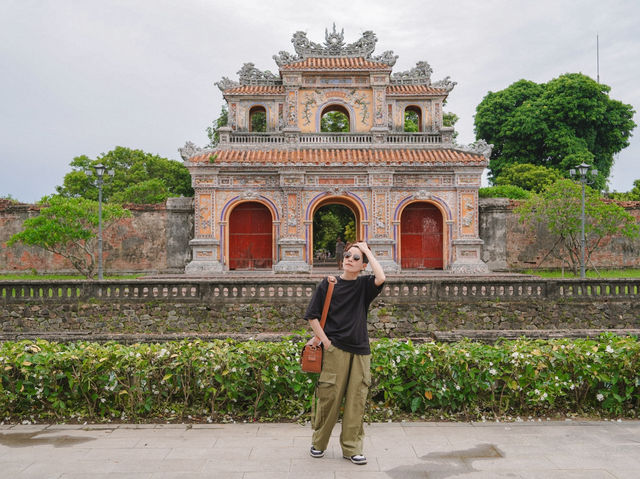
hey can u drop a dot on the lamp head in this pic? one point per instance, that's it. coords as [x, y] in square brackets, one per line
[583, 168]
[99, 168]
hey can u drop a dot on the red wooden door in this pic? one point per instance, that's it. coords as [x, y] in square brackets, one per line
[250, 240]
[421, 237]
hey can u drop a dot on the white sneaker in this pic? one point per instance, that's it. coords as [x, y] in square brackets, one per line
[357, 459]
[317, 453]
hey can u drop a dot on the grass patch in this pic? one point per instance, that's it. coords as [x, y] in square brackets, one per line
[31, 276]
[606, 273]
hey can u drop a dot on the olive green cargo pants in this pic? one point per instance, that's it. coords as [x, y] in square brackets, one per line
[344, 375]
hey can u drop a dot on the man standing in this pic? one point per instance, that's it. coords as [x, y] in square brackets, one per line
[339, 251]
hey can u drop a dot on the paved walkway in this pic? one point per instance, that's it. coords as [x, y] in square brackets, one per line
[547, 450]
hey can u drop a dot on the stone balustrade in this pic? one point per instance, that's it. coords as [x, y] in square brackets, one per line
[295, 290]
[311, 140]
[443, 308]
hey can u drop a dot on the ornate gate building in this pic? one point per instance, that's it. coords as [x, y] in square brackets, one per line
[414, 195]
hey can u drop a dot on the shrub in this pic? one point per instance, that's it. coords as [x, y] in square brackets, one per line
[504, 191]
[223, 380]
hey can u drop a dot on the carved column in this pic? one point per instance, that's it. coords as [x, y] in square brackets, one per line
[467, 247]
[380, 128]
[380, 241]
[205, 245]
[291, 131]
[290, 244]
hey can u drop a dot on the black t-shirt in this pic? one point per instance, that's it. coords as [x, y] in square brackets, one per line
[346, 324]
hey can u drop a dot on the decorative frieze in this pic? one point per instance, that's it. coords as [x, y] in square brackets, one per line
[334, 46]
[423, 179]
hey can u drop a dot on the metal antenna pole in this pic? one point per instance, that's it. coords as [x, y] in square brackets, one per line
[598, 57]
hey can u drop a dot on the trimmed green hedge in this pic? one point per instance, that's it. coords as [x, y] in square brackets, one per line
[224, 380]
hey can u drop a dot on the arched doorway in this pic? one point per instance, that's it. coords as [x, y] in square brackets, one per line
[332, 218]
[335, 119]
[421, 234]
[250, 237]
[412, 119]
[258, 119]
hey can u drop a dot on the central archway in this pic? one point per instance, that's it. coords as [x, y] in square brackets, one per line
[342, 217]
[335, 118]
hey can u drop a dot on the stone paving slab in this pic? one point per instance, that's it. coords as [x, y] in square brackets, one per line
[522, 450]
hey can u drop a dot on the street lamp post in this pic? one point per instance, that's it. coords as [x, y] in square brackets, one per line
[583, 169]
[100, 168]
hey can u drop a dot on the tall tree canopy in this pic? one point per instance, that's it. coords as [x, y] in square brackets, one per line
[559, 124]
[139, 177]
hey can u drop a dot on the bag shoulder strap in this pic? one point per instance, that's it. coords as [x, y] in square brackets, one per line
[327, 300]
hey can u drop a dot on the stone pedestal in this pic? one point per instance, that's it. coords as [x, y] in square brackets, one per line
[467, 254]
[383, 251]
[292, 257]
[205, 257]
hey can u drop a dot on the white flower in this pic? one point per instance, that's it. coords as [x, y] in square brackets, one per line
[609, 349]
[600, 397]
[493, 372]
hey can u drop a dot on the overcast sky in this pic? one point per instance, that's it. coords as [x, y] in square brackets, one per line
[81, 77]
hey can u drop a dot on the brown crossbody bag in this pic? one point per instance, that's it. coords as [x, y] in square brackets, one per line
[311, 359]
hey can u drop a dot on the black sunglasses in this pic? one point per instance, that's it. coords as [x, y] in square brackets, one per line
[348, 254]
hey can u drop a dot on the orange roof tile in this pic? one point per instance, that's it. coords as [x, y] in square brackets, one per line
[255, 90]
[414, 90]
[322, 157]
[341, 63]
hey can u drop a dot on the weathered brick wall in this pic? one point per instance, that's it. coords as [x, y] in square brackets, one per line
[387, 318]
[510, 246]
[154, 239]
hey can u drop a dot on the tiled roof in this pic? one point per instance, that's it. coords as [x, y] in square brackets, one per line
[414, 90]
[325, 157]
[256, 90]
[341, 63]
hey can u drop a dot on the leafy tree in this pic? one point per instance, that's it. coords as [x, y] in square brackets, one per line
[559, 124]
[411, 121]
[527, 176]
[559, 208]
[131, 168]
[69, 227]
[329, 222]
[334, 122]
[633, 195]
[259, 121]
[213, 130]
[504, 191]
[148, 192]
[449, 118]
[350, 234]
